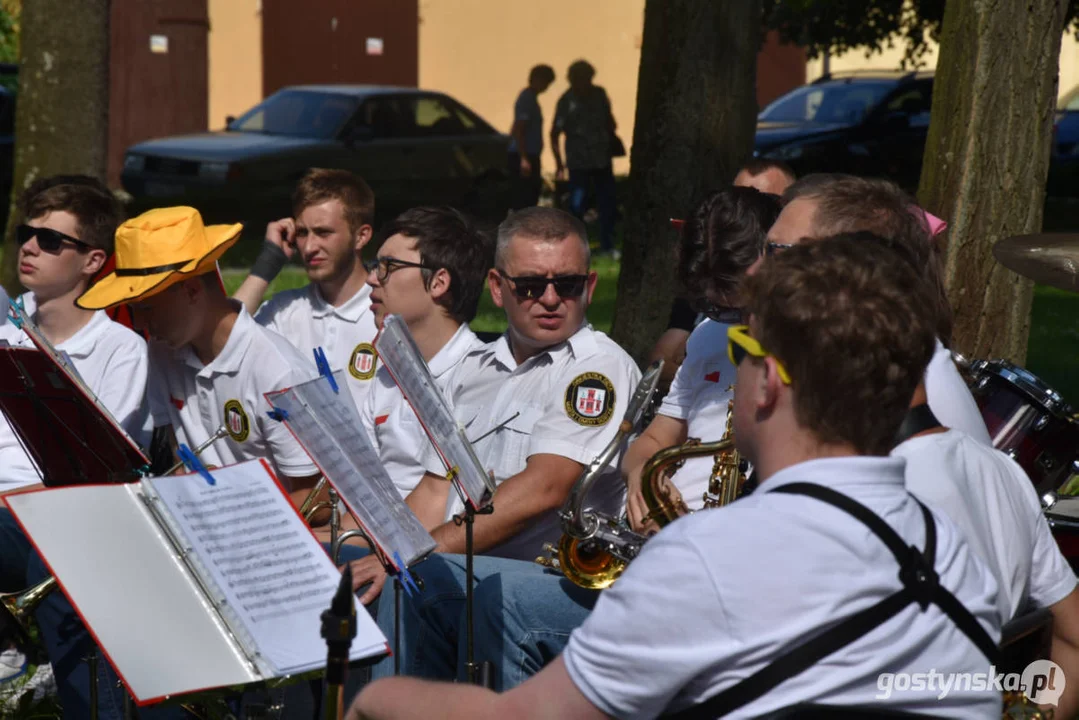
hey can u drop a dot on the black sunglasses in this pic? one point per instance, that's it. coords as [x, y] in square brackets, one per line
[773, 248]
[48, 240]
[532, 287]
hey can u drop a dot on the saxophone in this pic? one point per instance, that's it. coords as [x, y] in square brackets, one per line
[665, 503]
[595, 549]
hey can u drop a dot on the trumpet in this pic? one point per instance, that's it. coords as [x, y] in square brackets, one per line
[310, 507]
[595, 549]
[20, 606]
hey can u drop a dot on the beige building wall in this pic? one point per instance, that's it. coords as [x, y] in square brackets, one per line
[480, 52]
[235, 58]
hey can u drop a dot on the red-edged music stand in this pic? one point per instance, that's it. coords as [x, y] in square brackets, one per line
[66, 431]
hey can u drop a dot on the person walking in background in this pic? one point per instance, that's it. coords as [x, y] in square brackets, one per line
[584, 115]
[526, 142]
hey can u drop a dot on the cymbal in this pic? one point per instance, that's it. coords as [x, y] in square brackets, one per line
[1046, 258]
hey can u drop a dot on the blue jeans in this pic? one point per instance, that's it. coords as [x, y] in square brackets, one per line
[602, 179]
[523, 614]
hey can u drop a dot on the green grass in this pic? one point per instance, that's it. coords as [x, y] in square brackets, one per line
[488, 318]
[1053, 350]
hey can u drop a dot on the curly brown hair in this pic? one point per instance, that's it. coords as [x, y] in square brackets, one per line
[853, 322]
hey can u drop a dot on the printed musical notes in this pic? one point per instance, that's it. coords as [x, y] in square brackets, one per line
[273, 578]
[328, 426]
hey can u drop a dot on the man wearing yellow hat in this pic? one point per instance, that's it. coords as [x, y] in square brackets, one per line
[210, 362]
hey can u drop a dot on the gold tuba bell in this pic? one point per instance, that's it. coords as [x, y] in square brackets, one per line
[595, 549]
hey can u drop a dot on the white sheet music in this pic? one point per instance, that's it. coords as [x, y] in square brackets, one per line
[274, 579]
[329, 427]
[405, 362]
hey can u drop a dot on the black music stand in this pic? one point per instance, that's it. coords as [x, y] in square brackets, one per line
[61, 427]
[477, 674]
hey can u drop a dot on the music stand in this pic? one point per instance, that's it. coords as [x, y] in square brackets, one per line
[63, 427]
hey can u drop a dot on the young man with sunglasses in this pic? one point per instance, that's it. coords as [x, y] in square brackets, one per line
[820, 205]
[720, 241]
[333, 211]
[706, 618]
[541, 403]
[429, 272]
[65, 239]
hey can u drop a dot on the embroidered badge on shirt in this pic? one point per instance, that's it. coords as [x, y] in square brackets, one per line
[236, 419]
[364, 359]
[590, 399]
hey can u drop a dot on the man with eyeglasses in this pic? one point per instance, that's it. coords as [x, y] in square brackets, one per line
[830, 577]
[429, 272]
[541, 402]
[333, 211]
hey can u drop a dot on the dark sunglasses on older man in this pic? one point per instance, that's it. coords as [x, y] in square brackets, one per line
[48, 240]
[532, 287]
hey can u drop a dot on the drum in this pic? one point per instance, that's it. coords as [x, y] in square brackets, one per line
[1028, 420]
[1063, 516]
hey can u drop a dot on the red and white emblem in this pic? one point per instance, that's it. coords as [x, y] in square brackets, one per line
[363, 362]
[591, 401]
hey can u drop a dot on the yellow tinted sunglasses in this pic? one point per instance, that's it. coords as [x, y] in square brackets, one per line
[740, 344]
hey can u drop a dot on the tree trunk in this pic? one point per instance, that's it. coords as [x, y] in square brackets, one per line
[62, 110]
[696, 114]
[987, 157]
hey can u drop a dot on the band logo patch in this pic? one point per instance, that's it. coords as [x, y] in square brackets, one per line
[590, 399]
[363, 361]
[236, 420]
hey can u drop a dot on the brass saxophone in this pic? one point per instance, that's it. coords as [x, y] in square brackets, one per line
[665, 503]
[595, 549]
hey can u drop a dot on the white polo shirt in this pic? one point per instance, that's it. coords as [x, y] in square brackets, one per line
[195, 398]
[994, 503]
[567, 400]
[346, 334]
[950, 398]
[111, 360]
[392, 425]
[699, 394]
[719, 594]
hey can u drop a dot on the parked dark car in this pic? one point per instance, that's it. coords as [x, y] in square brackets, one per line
[864, 123]
[413, 147]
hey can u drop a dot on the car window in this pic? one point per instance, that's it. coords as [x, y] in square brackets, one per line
[433, 117]
[298, 113]
[385, 117]
[836, 102]
[914, 102]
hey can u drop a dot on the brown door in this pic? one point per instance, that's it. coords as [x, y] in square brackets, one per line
[158, 82]
[780, 69]
[363, 42]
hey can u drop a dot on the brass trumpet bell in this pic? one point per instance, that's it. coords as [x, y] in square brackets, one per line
[585, 563]
[20, 607]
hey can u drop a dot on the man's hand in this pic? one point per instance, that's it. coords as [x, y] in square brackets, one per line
[526, 167]
[636, 510]
[368, 570]
[282, 233]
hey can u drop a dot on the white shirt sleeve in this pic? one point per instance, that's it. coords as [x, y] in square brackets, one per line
[651, 633]
[123, 387]
[367, 409]
[679, 399]
[950, 399]
[1051, 577]
[561, 430]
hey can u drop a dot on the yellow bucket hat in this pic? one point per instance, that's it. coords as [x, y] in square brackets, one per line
[157, 250]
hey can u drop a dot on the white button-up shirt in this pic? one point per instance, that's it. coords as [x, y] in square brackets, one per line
[994, 503]
[346, 334]
[567, 400]
[196, 399]
[111, 360]
[718, 595]
[699, 394]
[394, 429]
